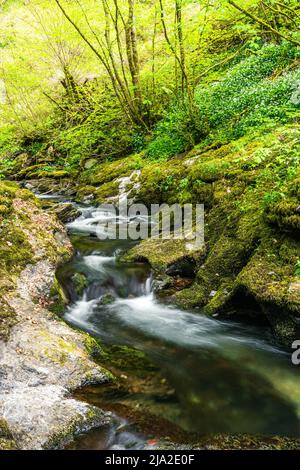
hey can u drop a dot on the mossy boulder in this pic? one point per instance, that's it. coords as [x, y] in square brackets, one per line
[43, 171]
[171, 255]
[269, 279]
[103, 173]
[28, 236]
[46, 186]
[79, 282]
[66, 212]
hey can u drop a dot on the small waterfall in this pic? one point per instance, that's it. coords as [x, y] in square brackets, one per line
[148, 285]
[97, 262]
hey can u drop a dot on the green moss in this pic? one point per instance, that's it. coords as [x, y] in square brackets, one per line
[285, 214]
[159, 253]
[93, 347]
[58, 299]
[7, 319]
[107, 190]
[80, 423]
[43, 171]
[161, 183]
[15, 253]
[107, 299]
[15, 250]
[6, 438]
[108, 171]
[80, 283]
[210, 171]
[55, 349]
[54, 174]
[83, 191]
[127, 359]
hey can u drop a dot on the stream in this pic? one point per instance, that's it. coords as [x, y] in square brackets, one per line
[215, 376]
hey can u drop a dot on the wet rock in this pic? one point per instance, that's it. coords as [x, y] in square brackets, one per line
[88, 198]
[26, 185]
[49, 186]
[41, 362]
[184, 267]
[107, 299]
[43, 416]
[169, 256]
[80, 283]
[160, 285]
[66, 212]
[43, 185]
[166, 286]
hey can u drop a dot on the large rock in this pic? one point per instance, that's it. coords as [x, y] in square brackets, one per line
[66, 212]
[41, 359]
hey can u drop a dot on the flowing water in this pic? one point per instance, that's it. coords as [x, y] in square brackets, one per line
[223, 376]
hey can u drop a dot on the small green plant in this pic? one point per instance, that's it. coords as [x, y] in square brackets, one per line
[183, 184]
[138, 141]
[175, 133]
[297, 272]
[167, 183]
[271, 198]
[47, 168]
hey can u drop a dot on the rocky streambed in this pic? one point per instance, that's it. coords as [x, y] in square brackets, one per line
[191, 374]
[203, 381]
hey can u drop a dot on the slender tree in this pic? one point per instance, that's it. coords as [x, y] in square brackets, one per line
[129, 97]
[179, 58]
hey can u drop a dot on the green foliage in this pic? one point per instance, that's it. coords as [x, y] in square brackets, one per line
[8, 141]
[175, 133]
[245, 82]
[255, 92]
[96, 126]
[297, 272]
[138, 141]
[271, 198]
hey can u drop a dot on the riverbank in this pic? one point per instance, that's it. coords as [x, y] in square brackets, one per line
[42, 359]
